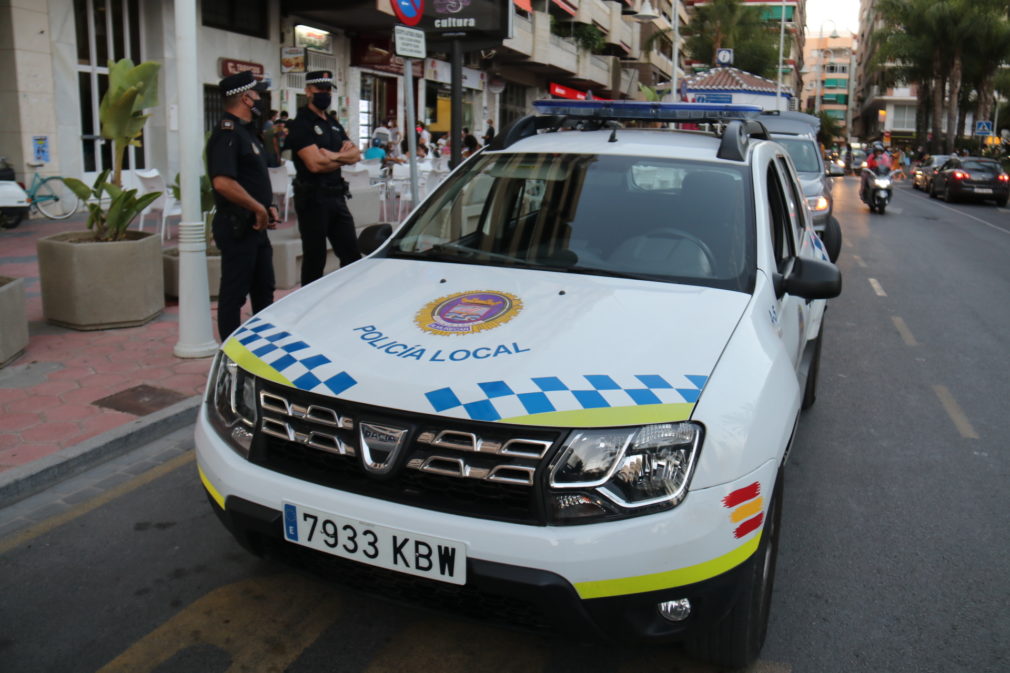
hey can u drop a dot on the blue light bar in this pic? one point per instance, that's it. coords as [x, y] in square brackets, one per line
[646, 111]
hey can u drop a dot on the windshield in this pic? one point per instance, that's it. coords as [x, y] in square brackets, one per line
[634, 217]
[803, 153]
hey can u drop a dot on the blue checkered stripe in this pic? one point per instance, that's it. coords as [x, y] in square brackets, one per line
[294, 359]
[495, 400]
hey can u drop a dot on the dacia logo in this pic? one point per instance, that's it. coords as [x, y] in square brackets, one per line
[380, 446]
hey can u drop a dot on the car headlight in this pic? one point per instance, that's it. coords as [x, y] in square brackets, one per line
[618, 472]
[817, 204]
[882, 183]
[233, 403]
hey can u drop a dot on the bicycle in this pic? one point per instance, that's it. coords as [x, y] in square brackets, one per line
[49, 195]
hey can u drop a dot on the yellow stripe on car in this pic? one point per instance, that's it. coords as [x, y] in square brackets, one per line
[214, 493]
[669, 578]
[244, 358]
[609, 416]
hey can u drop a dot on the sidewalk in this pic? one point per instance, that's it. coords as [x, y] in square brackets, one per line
[62, 391]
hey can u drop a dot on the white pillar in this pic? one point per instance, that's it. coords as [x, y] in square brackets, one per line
[196, 338]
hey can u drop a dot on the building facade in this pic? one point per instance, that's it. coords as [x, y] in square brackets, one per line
[828, 78]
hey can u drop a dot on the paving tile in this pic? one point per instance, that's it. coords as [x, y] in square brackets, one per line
[50, 432]
[29, 404]
[12, 422]
[55, 388]
[107, 380]
[70, 373]
[25, 453]
[96, 425]
[86, 395]
[189, 384]
[70, 412]
[82, 496]
[8, 440]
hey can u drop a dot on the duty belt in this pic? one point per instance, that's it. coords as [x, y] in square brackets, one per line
[339, 189]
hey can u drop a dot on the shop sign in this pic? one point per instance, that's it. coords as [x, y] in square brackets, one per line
[441, 71]
[315, 39]
[378, 55]
[292, 59]
[230, 66]
[465, 20]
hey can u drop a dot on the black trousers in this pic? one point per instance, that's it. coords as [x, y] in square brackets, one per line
[247, 270]
[324, 218]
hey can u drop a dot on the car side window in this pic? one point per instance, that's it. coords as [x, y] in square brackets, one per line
[793, 197]
[780, 222]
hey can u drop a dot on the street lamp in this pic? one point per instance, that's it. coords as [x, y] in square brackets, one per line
[782, 40]
[646, 14]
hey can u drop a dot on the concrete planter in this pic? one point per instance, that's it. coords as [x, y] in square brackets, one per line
[13, 320]
[171, 262]
[90, 285]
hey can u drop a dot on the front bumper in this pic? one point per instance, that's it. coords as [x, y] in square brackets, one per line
[516, 596]
[603, 578]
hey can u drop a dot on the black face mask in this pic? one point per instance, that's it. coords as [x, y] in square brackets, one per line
[258, 108]
[321, 100]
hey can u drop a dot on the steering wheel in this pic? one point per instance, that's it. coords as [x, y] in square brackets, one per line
[668, 232]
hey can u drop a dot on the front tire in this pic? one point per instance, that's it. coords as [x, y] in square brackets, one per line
[55, 200]
[832, 238]
[736, 641]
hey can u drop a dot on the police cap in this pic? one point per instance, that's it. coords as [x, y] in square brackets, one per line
[319, 78]
[242, 81]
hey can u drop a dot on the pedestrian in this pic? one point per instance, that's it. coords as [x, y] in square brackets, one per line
[236, 163]
[423, 136]
[470, 146]
[489, 134]
[320, 147]
[272, 143]
[376, 150]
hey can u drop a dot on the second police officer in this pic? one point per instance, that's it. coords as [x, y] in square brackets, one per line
[236, 163]
[320, 147]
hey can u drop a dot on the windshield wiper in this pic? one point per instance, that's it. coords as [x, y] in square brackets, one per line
[457, 251]
[595, 271]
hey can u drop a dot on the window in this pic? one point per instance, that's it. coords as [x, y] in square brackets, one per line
[782, 240]
[213, 106]
[105, 29]
[249, 17]
[836, 83]
[836, 68]
[513, 104]
[835, 114]
[903, 117]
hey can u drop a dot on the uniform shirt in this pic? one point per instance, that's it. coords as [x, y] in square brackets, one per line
[308, 128]
[234, 152]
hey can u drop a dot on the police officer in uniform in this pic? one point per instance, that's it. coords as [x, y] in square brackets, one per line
[237, 165]
[320, 146]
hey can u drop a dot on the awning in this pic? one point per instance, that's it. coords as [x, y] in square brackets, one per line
[524, 4]
[565, 6]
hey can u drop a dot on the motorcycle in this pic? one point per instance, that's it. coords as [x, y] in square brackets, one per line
[877, 193]
[14, 202]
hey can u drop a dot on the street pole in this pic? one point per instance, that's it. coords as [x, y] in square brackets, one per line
[674, 94]
[782, 41]
[456, 113]
[817, 90]
[196, 337]
[408, 97]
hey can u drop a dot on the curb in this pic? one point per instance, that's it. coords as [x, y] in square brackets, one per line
[25, 480]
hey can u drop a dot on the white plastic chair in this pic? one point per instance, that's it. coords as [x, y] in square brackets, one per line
[280, 185]
[152, 181]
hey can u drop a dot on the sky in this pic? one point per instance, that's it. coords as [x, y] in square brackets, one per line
[845, 14]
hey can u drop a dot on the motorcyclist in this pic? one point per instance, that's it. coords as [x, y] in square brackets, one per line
[877, 159]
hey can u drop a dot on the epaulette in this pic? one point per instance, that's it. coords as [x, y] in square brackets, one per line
[227, 124]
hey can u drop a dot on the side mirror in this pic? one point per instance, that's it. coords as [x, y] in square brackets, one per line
[810, 279]
[373, 236]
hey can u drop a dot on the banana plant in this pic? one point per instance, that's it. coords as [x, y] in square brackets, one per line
[132, 89]
[111, 208]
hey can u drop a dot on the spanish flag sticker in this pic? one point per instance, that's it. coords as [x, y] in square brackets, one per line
[747, 509]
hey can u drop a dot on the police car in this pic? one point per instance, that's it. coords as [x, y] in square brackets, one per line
[560, 394]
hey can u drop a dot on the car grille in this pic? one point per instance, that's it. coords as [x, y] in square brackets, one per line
[476, 469]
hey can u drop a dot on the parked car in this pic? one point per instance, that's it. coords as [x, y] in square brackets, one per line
[924, 172]
[561, 393]
[797, 132]
[971, 178]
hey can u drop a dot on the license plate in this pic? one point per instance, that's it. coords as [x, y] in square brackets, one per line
[983, 190]
[390, 548]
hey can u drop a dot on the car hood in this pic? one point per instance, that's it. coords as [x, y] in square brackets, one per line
[494, 343]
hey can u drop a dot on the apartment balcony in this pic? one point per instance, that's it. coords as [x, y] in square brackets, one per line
[594, 12]
[620, 31]
[521, 41]
[594, 71]
[661, 62]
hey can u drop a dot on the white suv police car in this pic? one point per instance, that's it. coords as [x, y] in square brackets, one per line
[560, 394]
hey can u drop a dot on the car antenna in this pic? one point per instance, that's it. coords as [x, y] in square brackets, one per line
[613, 131]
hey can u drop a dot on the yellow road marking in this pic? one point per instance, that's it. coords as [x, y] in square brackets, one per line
[906, 334]
[456, 647]
[875, 284]
[264, 623]
[859, 261]
[953, 410]
[90, 505]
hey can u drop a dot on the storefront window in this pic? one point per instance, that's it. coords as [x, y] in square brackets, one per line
[249, 17]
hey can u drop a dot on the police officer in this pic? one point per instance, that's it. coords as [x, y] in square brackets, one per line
[236, 163]
[320, 146]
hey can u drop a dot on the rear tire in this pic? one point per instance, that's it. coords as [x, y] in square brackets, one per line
[1001, 203]
[832, 238]
[10, 218]
[736, 641]
[946, 194]
[58, 201]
